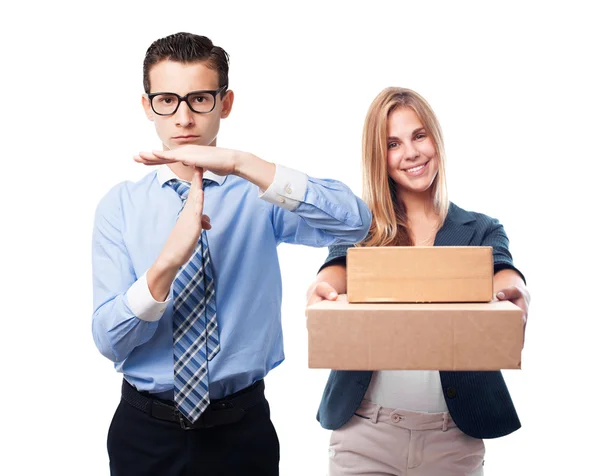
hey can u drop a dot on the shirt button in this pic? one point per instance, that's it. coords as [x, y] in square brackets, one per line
[281, 200]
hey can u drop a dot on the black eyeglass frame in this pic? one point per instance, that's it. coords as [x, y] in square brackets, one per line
[180, 99]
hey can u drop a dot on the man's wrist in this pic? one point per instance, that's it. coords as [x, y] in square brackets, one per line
[159, 278]
[240, 162]
[143, 303]
[164, 265]
[254, 169]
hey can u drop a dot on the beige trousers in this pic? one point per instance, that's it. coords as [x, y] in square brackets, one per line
[381, 441]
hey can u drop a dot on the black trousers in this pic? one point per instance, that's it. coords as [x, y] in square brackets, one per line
[141, 445]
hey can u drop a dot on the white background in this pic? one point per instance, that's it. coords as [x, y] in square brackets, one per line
[515, 86]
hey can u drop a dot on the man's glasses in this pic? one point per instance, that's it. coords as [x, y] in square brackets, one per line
[202, 102]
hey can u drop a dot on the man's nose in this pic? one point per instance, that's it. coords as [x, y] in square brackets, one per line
[184, 115]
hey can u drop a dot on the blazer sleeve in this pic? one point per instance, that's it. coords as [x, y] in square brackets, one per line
[337, 255]
[495, 236]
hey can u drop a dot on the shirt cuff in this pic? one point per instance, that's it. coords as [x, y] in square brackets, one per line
[141, 302]
[288, 188]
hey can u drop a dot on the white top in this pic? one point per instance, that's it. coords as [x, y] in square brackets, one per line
[412, 390]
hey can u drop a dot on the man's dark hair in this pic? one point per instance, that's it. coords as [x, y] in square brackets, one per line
[187, 48]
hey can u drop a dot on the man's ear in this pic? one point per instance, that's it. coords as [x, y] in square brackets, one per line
[147, 108]
[227, 104]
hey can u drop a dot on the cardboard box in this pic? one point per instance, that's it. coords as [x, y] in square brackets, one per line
[420, 274]
[478, 336]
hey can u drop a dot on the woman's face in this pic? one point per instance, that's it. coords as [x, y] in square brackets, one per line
[412, 161]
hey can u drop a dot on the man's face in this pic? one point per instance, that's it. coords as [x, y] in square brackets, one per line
[186, 126]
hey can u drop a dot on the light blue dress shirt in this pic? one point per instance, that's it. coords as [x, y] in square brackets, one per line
[132, 224]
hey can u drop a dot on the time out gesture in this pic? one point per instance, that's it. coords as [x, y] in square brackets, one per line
[215, 159]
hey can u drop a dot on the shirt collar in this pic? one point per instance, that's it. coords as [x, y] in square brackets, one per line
[164, 174]
[458, 215]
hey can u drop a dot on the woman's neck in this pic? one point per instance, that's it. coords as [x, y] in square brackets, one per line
[422, 220]
[418, 206]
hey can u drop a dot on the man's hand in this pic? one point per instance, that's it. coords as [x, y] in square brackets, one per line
[186, 233]
[181, 242]
[217, 160]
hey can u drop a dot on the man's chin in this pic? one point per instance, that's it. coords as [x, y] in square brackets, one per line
[172, 145]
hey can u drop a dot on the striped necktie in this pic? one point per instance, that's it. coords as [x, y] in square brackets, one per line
[195, 331]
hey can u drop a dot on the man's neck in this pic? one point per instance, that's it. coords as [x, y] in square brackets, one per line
[184, 172]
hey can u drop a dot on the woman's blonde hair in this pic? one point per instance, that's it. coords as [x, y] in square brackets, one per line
[389, 226]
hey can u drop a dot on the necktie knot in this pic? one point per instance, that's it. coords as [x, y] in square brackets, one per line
[183, 188]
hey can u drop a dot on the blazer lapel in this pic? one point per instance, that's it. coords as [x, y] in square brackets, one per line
[457, 229]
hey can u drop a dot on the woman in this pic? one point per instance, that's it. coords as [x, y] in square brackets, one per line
[430, 422]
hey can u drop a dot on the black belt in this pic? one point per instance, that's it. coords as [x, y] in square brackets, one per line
[220, 412]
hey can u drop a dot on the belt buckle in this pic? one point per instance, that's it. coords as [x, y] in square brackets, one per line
[204, 421]
[217, 414]
[185, 424]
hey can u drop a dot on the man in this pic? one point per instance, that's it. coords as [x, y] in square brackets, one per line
[187, 287]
